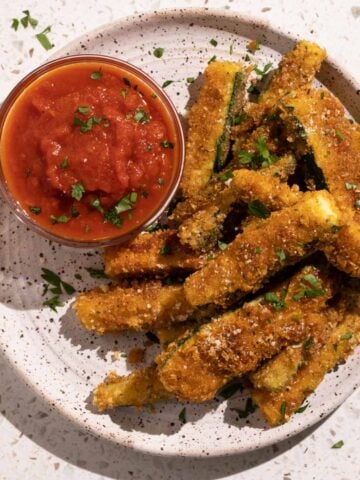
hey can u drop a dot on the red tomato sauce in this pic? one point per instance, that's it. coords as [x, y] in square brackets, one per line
[89, 151]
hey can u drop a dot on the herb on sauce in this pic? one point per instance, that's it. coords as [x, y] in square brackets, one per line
[35, 210]
[60, 219]
[74, 212]
[167, 144]
[158, 52]
[65, 163]
[96, 272]
[182, 415]
[43, 38]
[97, 75]
[160, 181]
[213, 42]
[124, 92]
[141, 117]
[84, 110]
[167, 83]
[112, 217]
[126, 203]
[257, 209]
[97, 205]
[28, 20]
[77, 191]
[266, 157]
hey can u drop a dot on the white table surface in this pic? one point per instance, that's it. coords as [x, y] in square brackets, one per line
[37, 442]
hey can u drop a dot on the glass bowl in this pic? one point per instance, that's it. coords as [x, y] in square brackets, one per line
[172, 120]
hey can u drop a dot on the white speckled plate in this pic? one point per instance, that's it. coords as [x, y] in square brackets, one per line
[62, 361]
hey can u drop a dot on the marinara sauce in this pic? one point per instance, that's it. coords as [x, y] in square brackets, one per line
[89, 151]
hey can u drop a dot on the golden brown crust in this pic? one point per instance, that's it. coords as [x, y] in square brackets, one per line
[143, 306]
[238, 341]
[254, 255]
[157, 253]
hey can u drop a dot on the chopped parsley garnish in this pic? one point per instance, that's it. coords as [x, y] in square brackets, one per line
[112, 217]
[182, 415]
[25, 21]
[97, 205]
[212, 59]
[126, 203]
[84, 110]
[74, 212]
[230, 390]
[77, 191]
[338, 444]
[124, 92]
[96, 272]
[223, 177]
[231, 49]
[87, 125]
[43, 38]
[97, 75]
[265, 70]
[213, 42]
[258, 249]
[165, 250]
[302, 408]
[357, 203]
[60, 219]
[250, 408]
[35, 210]
[15, 24]
[276, 303]
[53, 303]
[160, 181]
[350, 186]
[346, 336]
[239, 119]
[167, 83]
[141, 117]
[311, 290]
[257, 209]
[153, 227]
[190, 79]
[245, 157]
[339, 134]
[262, 159]
[280, 253]
[58, 286]
[158, 52]
[283, 408]
[167, 144]
[222, 245]
[247, 58]
[309, 342]
[253, 46]
[65, 163]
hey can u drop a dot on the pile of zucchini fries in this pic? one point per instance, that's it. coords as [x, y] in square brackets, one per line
[254, 272]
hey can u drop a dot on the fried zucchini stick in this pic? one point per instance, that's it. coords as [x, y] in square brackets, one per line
[277, 407]
[143, 306]
[263, 249]
[139, 388]
[237, 342]
[220, 100]
[202, 230]
[157, 253]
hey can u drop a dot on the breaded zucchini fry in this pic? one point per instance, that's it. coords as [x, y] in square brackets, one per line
[278, 371]
[157, 253]
[264, 248]
[143, 306]
[195, 367]
[277, 407]
[220, 100]
[202, 230]
[138, 388]
[327, 145]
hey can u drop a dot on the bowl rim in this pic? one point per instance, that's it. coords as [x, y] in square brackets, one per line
[173, 115]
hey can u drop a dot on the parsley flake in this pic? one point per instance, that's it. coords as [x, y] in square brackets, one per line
[276, 303]
[339, 134]
[350, 186]
[190, 79]
[54, 303]
[158, 52]
[65, 163]
[97, 205]
[84, 110]
[257, 209]
[212, 59]
[15, 24]
[35, 210]
[97, 75]
[309, 342]
[346, 336]
[43, 38]
[96, 272]
[141, 117]
[213, 42]
[167, 144]
[222, 245]
[338, 444]
[77, 191]
[60, 219]
[302, 408]
[167, 83]
[264, 71]
[182, 415]
[223, 177]
[283, 408]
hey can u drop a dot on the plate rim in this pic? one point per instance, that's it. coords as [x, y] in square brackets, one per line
[284, 433]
